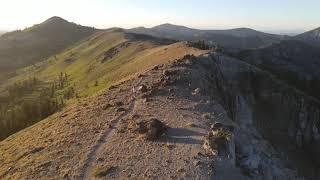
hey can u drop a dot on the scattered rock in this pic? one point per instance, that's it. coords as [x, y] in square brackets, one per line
[155, 129]
[134, 116]
[196, 163]
[181, 170]
[200, 154]
[206, 115]
[155, 67]
[142, 88]
[138, 127]
[106, 106]
[216, 126]
[44, 165]
[188, 56]
[216, 142]
[37, 149]
[121, 130]
[121, 109]
[64, 115]
[192, 125]
[152, 129]
[166, 72]
[100, 159]
[112, 87]
[103, 171]
[65, 175]
[169, 146]
[196, 91]
[145, 100]
[119, 103]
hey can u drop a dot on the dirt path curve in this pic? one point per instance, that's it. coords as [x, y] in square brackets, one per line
[88, 167]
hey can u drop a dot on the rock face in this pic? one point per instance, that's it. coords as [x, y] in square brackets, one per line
[267, 111]
[219, 141]
[294, 62]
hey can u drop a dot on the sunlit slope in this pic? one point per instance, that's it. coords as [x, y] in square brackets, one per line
[106, 58]
[35, 44]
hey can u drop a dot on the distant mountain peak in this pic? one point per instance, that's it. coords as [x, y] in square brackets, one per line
[311, 31]
[165, 25]
[169, 26]
[311, 37]
[55, 19]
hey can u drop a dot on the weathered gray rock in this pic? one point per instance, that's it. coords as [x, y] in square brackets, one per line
[261, 106]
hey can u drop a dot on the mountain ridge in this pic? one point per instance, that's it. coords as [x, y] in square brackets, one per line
[34, 44]
[122, 104]
[239, 38]
[311, 37]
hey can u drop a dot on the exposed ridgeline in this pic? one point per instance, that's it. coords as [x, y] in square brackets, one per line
[255, 99]
[240, 38]
[294, 62]
[311, 37]
[34, 44]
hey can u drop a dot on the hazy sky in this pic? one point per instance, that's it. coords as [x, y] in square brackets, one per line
[268, 15]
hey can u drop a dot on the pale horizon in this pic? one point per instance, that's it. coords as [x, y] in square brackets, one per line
[286, 17]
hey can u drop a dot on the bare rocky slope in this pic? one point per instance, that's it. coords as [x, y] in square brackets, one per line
[222, 119]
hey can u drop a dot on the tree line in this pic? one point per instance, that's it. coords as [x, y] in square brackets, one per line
[29, 101]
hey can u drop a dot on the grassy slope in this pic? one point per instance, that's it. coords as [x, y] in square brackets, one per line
[86, 68]
[31, 45]
[88, 75]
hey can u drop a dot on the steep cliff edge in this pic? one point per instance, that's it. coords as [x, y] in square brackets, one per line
[256, 100]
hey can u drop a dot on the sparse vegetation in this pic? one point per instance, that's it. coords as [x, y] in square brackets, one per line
[200, 44]
[28, 101]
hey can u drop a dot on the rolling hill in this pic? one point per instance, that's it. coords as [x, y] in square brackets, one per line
[311, 37]
[105, 58]
[35, 44]
[240, 38]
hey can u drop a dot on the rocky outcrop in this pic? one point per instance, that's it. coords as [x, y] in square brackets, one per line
[293, 62]
[277, 125]
[111, 53]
